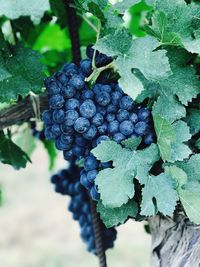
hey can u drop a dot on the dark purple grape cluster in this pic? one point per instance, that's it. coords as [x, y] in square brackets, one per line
[80, 117]
[67, 182]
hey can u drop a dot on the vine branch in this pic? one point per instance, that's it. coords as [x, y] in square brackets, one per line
[21, 112]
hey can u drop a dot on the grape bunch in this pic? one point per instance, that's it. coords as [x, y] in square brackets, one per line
[67, 183]
[80, 116]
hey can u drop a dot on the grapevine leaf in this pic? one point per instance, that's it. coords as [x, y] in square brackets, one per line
[179, 150]
[103, 10]
[188, 191]
[121, 7]
[51, 150]
[175, 91]
[182, 21]
[59, 9]
[11, 154]
[159, 29]
[116, 185]
[162, 189]
[193, 120]
[24, 71]
[169, 108]
[26, 141]
[115, 216]
[191, 167]
[15, 9]
[165, 136]
[135, 54]
[132, 143]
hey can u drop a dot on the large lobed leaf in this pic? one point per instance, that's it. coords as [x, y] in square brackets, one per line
[135, 54]
[12, 154]
[176, 22]
[20, 72]
[15, 9]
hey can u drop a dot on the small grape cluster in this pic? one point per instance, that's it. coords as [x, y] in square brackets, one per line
[67, 183]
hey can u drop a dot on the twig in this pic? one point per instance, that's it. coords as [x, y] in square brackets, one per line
[21, 112]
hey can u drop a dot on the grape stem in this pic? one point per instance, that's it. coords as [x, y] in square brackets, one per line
[97, 71]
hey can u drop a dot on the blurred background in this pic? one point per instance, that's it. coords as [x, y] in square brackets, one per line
[36, 230]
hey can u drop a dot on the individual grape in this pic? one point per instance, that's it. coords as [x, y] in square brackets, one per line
[144, 114]
[87, 94]
[110, 117]
[81, 125]
[71, 117]
[60, 145]
[56, 130]
[67, 139]
[102, 129]
[68, 91]
[91, 175]
[77, 81]
[86, 66]
[56, 101]
[134, 118]
[103, 98]
[149, 138]
[91, 133]
[119, 137]
[122, 115]
[72, 103]
[126, 103]
[58, 116]
[90, 163]
[98, 119]
[113, 127]
[94, 193]
[126, 128]
[46, 117]
[116, 96]
[87, 109]
[141, 128]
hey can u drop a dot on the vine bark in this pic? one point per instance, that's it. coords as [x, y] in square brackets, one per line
[175, 243]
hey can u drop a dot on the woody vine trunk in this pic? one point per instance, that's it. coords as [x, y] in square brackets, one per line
[175, 243]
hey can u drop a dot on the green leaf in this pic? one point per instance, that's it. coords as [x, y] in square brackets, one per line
[116, 185]
[159, 30]
[188, 191]
[193, 119]
[162, 189]
[59, 9]
[177, 90]
[121, 7]
[116, 216]
[181, 21]
[23, 72]
[165, 136]
[135, 54]
[132, 143]
[11, 154]
[51, 150]
[191, 167]
[26, 141]
[179, 150]
[15, 9]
